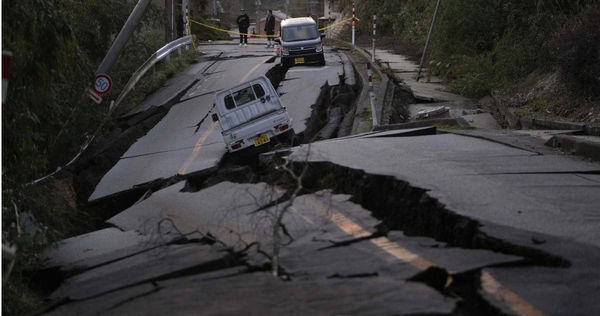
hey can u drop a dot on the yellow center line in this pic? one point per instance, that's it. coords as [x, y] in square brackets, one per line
[254, 69]
[488, 283]
[195, 89]
[197, 148]
[502, 294]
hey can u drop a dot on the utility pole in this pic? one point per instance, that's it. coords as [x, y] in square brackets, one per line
[287, 7]
[172, 20]
[123, 37]
[353, 24]
[437, 8]
[256, 29]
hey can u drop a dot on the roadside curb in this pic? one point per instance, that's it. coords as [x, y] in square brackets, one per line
[576, 145]
[362, 98]
[423, 123]
[184, 82]
[592, 130]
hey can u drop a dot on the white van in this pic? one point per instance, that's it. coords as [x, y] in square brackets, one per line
[250, 114]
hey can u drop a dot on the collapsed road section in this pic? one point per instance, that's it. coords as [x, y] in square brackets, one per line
[352, 240]
[399, 222]
[185, 142]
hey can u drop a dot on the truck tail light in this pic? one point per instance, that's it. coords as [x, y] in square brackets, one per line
[237, 145]
[282, 127]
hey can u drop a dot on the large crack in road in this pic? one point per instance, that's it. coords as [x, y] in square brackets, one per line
[399, 206]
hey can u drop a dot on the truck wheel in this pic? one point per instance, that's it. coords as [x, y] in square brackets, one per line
[322, 61]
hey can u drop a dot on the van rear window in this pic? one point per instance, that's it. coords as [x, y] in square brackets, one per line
[299, 32]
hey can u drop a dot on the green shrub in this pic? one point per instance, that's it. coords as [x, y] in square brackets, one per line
[203, 33]
[576, 47]
[57, 46]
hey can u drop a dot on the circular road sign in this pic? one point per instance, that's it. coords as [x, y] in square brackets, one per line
[102, 84]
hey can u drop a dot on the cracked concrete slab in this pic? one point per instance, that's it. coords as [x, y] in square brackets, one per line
[144, 267]
[538, 203]
[179, 130]
[262, 294]
[95, 248]
[105, 303]
[172, 88]
[452, 259]
[315, 252]
[406, 71]
[552, 291]
[410, 132]
[437, 163]
[302, 86]
[223, 211]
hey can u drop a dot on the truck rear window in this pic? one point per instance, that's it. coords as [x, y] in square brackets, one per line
[243, 96]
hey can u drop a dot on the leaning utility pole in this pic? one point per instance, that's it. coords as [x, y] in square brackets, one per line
[437, 8]
[123, 37]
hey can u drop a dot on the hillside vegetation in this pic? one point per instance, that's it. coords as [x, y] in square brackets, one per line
[505, 47]
[56, 48]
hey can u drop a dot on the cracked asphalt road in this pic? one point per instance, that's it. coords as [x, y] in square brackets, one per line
[393, 223]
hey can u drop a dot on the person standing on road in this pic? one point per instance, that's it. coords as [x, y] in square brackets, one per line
[243, 22]
[270, 28]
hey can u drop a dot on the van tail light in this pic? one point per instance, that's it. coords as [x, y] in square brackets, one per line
[282, 127]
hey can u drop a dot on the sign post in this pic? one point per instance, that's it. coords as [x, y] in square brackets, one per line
[374, 34]
[435, 14]
[94, 96]
[102, 86]
[353, 23]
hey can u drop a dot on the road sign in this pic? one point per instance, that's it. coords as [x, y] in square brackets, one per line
[94, 96]
[102, 84]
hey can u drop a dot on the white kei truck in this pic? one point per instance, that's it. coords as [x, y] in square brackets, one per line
[250, 114]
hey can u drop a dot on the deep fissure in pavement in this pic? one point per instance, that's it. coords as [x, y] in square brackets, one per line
[401, 206]
[397, 101]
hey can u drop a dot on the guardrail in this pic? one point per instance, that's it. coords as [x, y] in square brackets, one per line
[159, 55]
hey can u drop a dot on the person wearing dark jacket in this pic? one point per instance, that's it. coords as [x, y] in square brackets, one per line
[270, 28]
[243, 22]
